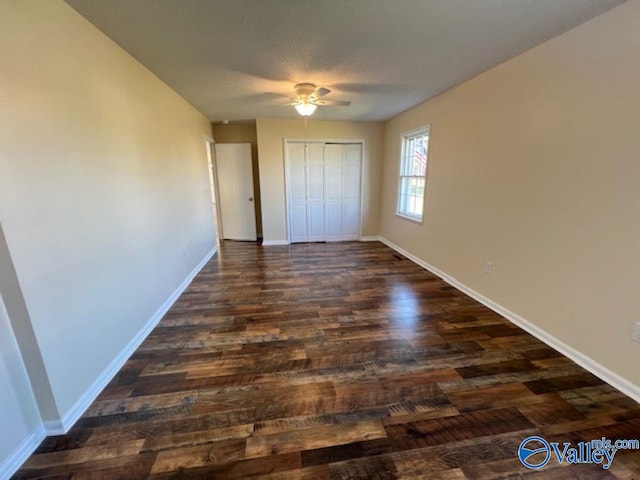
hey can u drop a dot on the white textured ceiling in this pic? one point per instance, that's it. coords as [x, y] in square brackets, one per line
[227, 56]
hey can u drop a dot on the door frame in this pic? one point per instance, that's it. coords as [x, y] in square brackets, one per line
[213, 179]
[287, 176]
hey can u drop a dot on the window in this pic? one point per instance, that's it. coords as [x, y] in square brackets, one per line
[413, 174]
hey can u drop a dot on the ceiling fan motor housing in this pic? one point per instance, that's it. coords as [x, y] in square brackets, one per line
[305, 90]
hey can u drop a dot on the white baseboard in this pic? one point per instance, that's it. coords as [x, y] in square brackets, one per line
[370, 238]
[273, 243]
[21, 453]
[612, 378]
[64, 425]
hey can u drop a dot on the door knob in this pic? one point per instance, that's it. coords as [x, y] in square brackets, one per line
[251, 199]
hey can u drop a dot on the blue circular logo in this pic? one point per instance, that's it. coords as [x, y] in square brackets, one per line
[534, 452]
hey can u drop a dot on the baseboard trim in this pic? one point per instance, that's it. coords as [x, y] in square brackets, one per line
[600, 371]
[71, 417]
[273, 243]
[370, 238]
[21, 453]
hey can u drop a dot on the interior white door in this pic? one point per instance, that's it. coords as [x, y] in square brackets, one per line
[235, 191]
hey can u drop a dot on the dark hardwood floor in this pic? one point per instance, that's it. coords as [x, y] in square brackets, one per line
[341, 361]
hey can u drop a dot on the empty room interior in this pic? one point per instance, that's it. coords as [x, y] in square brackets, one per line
[332, 239]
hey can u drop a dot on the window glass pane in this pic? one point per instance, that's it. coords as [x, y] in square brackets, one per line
[419, 156]
[420, 187]
[405, 203]
[413, 171]
[419, 205]
[405, 186]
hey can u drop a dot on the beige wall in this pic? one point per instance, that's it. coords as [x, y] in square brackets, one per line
[244, 133]
[534, 166]
[271, 135]
[104, 196]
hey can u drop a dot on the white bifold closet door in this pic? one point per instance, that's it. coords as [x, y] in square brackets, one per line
[342, 192]
[324, 191]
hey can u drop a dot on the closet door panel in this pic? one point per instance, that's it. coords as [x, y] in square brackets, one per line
[315, 214]
[351, 183]
[350, 226]
[350, 192]
[298, 223]
[333, 169]
[297, 192]
[334, 222]
[315, 192]
[315, 182]
[333, 175]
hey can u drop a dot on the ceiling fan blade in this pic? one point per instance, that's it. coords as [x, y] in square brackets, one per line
[321, 92]
[333, 103]
[272, 94]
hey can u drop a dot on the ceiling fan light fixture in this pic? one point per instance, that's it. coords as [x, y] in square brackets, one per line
[305, 109]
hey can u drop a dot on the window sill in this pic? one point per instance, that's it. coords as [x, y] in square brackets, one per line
[411, 219]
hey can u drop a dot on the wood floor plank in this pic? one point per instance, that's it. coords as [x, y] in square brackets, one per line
[201, 455]
[314, 437]
[552, 410]
[436, 431]
[509, 394]
[335, 361]
[340, 453]
[381, 467]
[177, 440]
[242, 469]
[320, 472]
[122, 467]
[81, 455]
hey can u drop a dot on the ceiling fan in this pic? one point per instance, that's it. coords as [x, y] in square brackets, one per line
[309, 97]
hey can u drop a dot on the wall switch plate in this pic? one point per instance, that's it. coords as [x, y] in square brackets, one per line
[635, 336]
[488, 266]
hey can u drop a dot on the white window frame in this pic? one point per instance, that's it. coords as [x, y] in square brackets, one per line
[405, 137]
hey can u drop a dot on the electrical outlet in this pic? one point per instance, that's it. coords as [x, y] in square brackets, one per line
[488, 267]
[635, 336]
